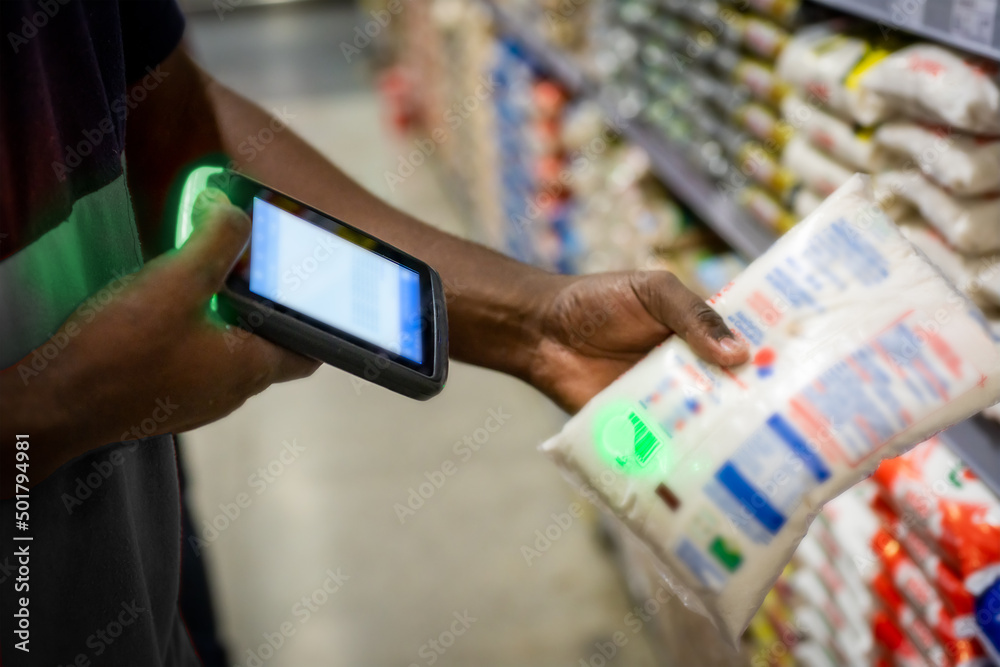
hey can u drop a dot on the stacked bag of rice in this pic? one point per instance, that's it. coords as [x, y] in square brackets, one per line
[946, 134]
[923, 119]
[830, 112]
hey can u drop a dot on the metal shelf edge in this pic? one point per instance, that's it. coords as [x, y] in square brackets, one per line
[884, 16]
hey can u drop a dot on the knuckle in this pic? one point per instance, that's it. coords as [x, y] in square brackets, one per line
[704, 314]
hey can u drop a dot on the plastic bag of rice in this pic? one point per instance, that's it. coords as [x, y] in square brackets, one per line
[939, 85]
[964, 164]
[860, 350]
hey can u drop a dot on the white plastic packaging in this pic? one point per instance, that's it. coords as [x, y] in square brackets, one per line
[833, 135]
[954, 266]
[987, 270]
[816, 171]
[965, 165]
[804, 202]
[819, 60]
[936, 84]
[860, 349]
[969, 224]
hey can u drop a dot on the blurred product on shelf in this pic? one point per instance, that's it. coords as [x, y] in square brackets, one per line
[805, 202]
[966, 165]
[765, 209]
[875, 567]
[829, 61]
[938, 85]
[762, 37]
[969, 224]
[760, 79]
[817, 172]
[836, 137]
[784, 12]
[937, 497]
[957, 268]
[549, 180]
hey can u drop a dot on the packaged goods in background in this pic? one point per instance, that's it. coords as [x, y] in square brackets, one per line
[954, 266]
[860, 349]
[827, 63]
[763, 168]
[968, 223]
[782, 11]
[716, 270]
[940, 590]
[763, 124]
[988, 279]
[804, 202]
[810, 557]
[938, 85]
[945, 580]
[889, 635]
[847, 639]
[906, 619]
[814, 654]
[815, 170]
[933, 489]
[964, 164]
[765, 209]
[760, 79]
[833, 136]
[876, 557]
[935, 493]
[897, 207]
[763, 38]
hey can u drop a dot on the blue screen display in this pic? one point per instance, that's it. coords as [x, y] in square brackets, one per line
[315, 272]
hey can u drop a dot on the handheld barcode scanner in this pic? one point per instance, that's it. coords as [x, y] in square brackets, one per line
[320, 287]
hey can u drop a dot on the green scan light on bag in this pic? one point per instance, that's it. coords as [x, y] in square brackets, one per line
[627, 440]
[196, 181]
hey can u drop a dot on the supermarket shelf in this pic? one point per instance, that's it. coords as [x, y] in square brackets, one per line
[971, 26]
[976, 440]
[698, 192]
[555, 64]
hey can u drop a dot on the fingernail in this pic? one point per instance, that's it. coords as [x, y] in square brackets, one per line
[731, 345]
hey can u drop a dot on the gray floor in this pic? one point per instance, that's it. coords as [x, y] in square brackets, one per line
[359, 451]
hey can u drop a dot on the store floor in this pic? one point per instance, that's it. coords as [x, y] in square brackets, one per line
[322, 467]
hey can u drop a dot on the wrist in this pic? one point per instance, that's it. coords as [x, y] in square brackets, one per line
[500, 324]
[536, 295]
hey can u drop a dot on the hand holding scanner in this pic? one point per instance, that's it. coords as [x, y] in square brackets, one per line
[320, 287]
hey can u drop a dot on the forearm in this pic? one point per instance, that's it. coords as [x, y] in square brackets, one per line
[491, 298]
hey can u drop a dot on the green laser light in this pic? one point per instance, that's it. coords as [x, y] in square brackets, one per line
[196, 181]
[628, 441]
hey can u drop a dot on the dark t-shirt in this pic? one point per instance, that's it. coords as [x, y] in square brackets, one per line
[101, 574]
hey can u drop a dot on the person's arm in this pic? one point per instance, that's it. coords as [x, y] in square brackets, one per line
[503, 314]
[153, 352]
